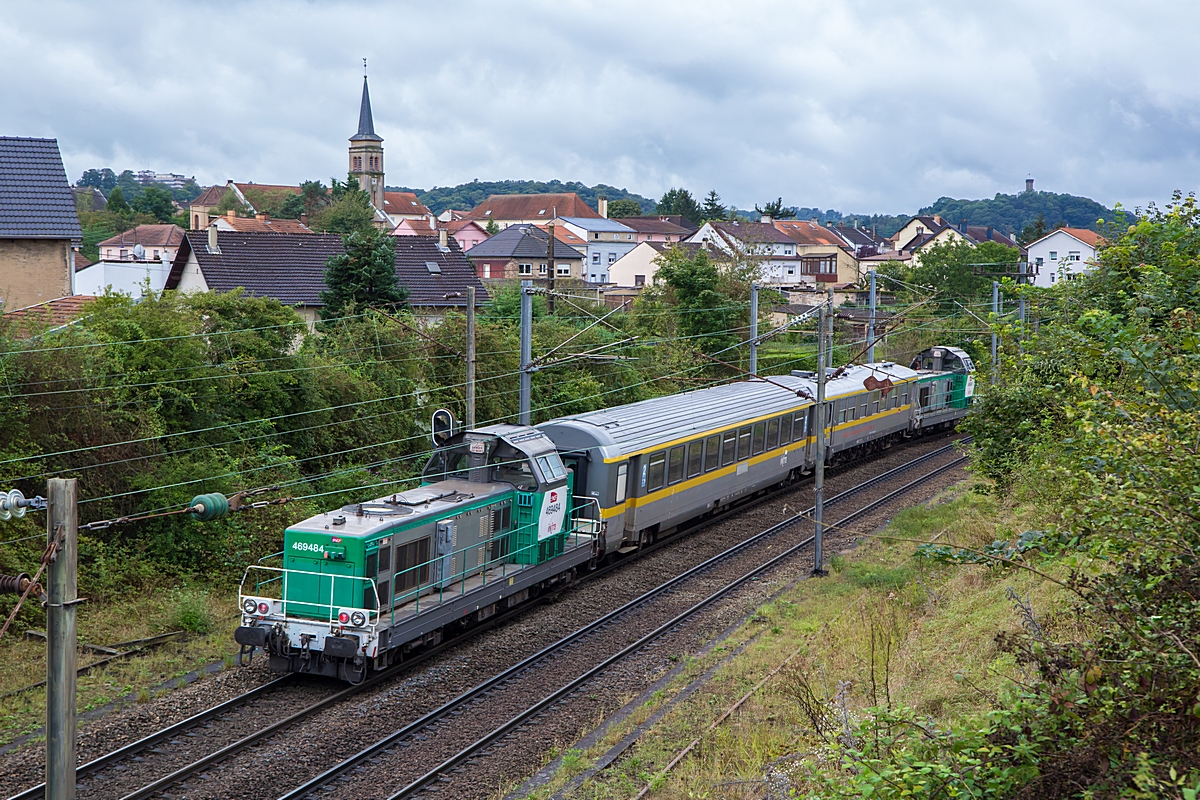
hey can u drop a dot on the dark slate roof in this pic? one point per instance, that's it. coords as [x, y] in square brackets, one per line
[752, 232]
[366, 125]
[674, 219]
[291, 267]
[859, 237]
[36, 201]
[522, 241]
[655, 225]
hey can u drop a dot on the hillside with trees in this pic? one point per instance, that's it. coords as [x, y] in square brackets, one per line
[469, 195]
[1014, 212]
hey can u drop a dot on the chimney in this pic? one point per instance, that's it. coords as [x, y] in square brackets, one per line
[937, 218]
[443, 239]
[602, 207]
[303, 219]
[1029, 184]
[962, 226]
[262, 216]
[231, 214]
[989, 232]
[766, 218]
[213, 247]
[814, 221]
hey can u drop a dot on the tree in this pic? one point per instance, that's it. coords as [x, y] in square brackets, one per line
[619, 209]
[681, 202]
[775, 210]
[350, 211]
[231, 202]
[102, 179]
[154, 201]
[713, 208]
[116, 202]
[364, 275]
[706, 314]
[948, 267]
[491, 229]
[1033, 231]
[313, 196]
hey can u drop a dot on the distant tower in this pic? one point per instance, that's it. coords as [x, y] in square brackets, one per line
[366, 150]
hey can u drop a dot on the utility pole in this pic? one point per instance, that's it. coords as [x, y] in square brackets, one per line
[753, 329]
[1021, 302]
[470, 357]
[995, 321]
[62, 526]
[526, 348]
[550, 270]
[871, 323]
[819, 415]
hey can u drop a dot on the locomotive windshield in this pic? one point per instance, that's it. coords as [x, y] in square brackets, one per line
[497, 461]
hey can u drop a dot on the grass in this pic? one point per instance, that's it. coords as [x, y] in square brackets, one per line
[883, 628]
[207, 617]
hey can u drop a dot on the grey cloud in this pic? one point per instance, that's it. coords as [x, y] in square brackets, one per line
[869, 106]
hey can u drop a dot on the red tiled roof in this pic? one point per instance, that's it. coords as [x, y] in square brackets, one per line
[403, 203]
[81, 261]
[752, 232]
[1084, 235]
[147, 236]
[266, 187]
[456, 225]
[807, 232]
[534, 207]
[211, 196]
[56, 312]
[269, 225]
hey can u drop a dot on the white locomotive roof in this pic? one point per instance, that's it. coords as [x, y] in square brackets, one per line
[422, 503]
[639, 426]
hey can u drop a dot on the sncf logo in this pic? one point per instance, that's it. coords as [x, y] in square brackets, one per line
[554, 497]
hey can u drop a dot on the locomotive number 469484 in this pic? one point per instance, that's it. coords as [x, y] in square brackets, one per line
[313, 546]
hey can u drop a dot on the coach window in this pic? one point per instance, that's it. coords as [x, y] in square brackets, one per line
[772, 433]
[744, 443]
[712, 453]
[622, 482]
[866, 401]
[785, 429]
[800, 427]
[675, 465]
[695, 461]
[729, 448]
[760, 432]
[658, 469]
[841, 411]
[875, 402]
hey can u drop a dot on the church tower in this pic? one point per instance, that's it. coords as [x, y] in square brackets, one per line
[366, 152]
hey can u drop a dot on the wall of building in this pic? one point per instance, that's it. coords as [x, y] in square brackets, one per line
[34, 271]
[125, 277]
[1061, 255]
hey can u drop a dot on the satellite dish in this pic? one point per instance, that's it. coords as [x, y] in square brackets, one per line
[139, 252]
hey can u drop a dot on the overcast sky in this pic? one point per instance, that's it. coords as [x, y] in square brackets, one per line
[860, 106]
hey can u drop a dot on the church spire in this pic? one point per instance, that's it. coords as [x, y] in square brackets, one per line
[366, 125]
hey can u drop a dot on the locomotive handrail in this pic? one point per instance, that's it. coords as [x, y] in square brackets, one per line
[332, 606]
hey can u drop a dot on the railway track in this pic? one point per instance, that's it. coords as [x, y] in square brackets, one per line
[469, 701]
[174, 735]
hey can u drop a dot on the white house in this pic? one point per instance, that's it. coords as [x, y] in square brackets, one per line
[638, 267]
[606, 240]
[123, 277]
[1062, 253]
[779, 261]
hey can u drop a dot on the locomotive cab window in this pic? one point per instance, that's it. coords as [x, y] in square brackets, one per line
[758, 439]
[712, 453]
[675, 466]
[695, 459]
[658, 471]
[622, 482]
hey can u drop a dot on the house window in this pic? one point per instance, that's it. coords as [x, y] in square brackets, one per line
[1039, 261]
[1054, 255]
[629, 236]
[563, 269]
[1052, 277]
[123, 254]
[1073, 255]
[595, 235]
[596, 257]
[358, 163]
[156, 256]
[595, 278]
[524, 269]
[612, 257]
[791, 270]
[639, 280]
[542, 268]
[787, 251]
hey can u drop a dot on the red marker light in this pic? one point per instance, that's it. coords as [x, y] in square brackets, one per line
[263, 608]
[343, 617]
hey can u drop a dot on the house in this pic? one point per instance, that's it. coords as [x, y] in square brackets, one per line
[466, 232]
[259, 223]
[521, 209]
[638, 267]
[862, 241]
[291, 268]
[1063, 254]
[158, 243]
[925, 231]
[403, 205]
[606, 241]
[203, 208]
[204, 204]
[519, 251]
[817, 248]
[783, 262]
[657, 229]
[39, 228]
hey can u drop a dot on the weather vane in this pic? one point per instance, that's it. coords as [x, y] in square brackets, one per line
[364, 68]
